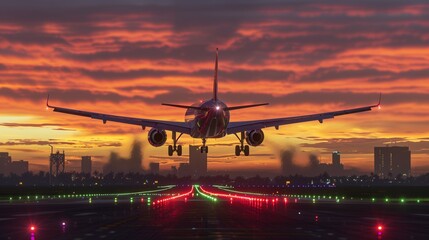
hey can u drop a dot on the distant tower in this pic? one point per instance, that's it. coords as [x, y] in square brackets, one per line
[154, 168]
[5, 161]
[336, 158]
[56, 164]
[136, 157]
[86, 165]
[390, 162]
[197, 161]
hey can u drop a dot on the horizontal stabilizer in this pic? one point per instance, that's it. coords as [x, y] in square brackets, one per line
[245, 106]
[181, 106]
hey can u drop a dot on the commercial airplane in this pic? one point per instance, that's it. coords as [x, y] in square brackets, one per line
[209, 119]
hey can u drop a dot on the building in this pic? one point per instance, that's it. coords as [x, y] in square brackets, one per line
[184, 170]
[5, 161]
[389, 162]
[57, 163]
[174, 170]
[7, 166]
[86, 165]
[18, 167]
[154, 168]
[197, 161]
[336, 158]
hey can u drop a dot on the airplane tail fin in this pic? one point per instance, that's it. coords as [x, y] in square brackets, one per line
[215, 78]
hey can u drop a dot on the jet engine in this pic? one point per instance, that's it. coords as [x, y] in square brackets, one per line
[255, 137]
[157, 137]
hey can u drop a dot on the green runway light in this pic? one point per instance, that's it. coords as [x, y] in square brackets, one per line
[197, 187]
[131, 200]
[116, 200]
[386, 200]
[90, 200]
[418, 200]
[338, 200]
[373, 199]
[402, 200]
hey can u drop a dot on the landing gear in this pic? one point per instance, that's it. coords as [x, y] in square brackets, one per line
[204, 148]
[175, 147]
[241, 148]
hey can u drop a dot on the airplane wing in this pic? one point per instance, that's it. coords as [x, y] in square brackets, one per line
[235, 127]
[181, 127]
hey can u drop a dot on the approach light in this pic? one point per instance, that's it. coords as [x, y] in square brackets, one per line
[63, 224]
[217, 107]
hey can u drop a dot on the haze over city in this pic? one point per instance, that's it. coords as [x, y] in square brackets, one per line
[126, 59]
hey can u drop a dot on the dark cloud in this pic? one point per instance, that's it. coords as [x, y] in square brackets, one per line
[23, 142]
[184, 95]
[31, 124]
[235, 75]
[110, 144]
[371, 74]
[36, 38]
[333, 73]
[26, 150]
[366, 145]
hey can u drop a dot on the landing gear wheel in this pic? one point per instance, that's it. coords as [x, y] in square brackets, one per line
[207, 149]
[170, 150]
[175, 147]
[179, 150]
[237, 150]
[246, 150]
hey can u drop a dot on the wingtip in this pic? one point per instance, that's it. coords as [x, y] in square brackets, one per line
[379, 100]
[47, 102]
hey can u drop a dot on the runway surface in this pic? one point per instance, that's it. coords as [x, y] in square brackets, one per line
[195, 212]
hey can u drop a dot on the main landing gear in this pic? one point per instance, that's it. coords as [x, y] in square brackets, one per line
[241, 148]
[175, 147]
[204, 148]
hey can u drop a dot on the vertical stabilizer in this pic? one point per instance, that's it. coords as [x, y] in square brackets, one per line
[215, 79]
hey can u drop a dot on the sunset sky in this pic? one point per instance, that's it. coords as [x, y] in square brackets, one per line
[127, 57]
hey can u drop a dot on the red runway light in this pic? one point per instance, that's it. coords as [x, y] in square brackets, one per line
[63, 224]
[379, 228]
[32, 228]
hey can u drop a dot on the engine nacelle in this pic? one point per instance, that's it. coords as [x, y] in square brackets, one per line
[255, 137]
[157, 137]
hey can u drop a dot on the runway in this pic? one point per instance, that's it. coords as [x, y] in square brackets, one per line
[207, 212]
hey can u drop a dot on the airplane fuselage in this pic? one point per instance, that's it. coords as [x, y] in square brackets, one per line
[211, 122]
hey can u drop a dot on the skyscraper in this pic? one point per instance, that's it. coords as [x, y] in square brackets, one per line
[135, 163]
[197, 161]
[390, 162]
[18, 167]
[5, 161]
[86, 165]
[336, 158]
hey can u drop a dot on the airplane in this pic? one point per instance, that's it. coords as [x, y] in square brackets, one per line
[210, 119]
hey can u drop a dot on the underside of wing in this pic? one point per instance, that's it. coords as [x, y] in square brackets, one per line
[181, 127]
[235, 127]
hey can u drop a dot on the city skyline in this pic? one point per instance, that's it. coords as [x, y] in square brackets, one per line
[129, 59]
